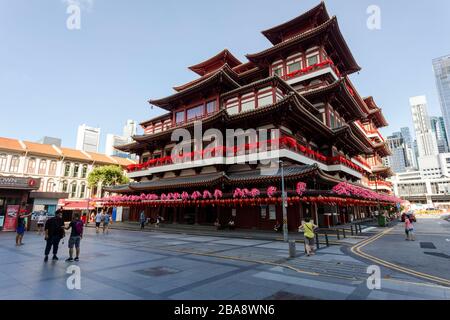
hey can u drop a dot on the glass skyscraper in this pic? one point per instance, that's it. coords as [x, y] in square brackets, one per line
[441, 68]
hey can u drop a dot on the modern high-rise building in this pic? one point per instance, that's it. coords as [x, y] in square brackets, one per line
[397, 161]
[441, 68]
[51, 141]
[438, 128]
[426, 140]
[88, 138]
[130, 130]
[406, 135]
[115, 140]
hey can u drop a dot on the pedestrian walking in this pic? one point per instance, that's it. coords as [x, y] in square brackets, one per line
[76, 234]
[98, 221]
[308, 228]
[106, 222]
[54, 232]
[409, 229]
[21, 226]
[142, 219]
[42, 218]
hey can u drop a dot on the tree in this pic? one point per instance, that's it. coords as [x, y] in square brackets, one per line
[107, 176]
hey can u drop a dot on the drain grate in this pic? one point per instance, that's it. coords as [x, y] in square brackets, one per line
[427, 245]
[157, 271]
[438, 254]
[283, 295]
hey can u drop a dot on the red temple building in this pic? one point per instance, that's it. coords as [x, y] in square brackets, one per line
[321, 131]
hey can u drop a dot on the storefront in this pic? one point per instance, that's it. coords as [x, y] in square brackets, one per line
[15, 196]
[47, 201]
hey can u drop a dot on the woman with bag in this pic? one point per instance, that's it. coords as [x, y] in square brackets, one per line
[308, 228]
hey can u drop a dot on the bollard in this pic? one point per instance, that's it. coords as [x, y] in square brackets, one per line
[351, 229]
[317, 241]
[326, 239]
[343, 231]
[360, 229]
[292, 249]
[338, 235]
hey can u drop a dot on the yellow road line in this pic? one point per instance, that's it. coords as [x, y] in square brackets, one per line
[357, 249]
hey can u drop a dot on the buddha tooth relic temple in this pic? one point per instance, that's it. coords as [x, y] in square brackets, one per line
[321, 137]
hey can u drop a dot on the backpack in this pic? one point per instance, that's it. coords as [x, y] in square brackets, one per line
[79, 227]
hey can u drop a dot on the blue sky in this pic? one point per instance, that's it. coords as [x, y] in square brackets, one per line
[53, 79]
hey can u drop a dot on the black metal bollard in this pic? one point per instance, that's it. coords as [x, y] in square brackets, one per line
[317, 241]
[343, 232]
[360, 229]
[326, 239]
[338, 235]
[351, 229]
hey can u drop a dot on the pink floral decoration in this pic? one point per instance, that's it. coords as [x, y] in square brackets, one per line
[255, 193]
[207, 194]
[185, 196]
[196, 195]
[301, 188]
[218, 194]
[271, 191]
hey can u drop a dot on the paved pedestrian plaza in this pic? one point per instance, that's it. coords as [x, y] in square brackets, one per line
[160, 265]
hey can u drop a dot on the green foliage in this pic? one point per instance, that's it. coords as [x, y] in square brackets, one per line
[108, 176]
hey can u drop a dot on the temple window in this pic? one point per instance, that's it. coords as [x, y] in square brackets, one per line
[211, 106]
[195, 112]
[232, 106]
[265, 99]
[293, 66]
[248, 103]
[313, 59]
[179, 118]
[278, 70]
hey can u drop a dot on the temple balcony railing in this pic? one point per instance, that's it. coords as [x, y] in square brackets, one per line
[285, 147]
[174, 125]
[371, 133]
[313, 71]
[381, 185]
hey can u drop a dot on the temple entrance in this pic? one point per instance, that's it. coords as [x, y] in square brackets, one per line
[189, 215]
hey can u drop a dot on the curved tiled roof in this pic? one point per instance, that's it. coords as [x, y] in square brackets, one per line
[221, 75]
[275, 34]
[349, 64]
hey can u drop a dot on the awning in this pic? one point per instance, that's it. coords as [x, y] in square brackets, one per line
[78, 205]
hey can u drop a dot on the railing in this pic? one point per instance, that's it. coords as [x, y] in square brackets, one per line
[270, 145]
[315, 67]
[380, 184]
[173, 125]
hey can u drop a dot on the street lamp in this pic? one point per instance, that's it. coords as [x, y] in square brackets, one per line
[376, 190]
[283, 197]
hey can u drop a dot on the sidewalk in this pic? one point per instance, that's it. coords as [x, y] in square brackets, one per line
[239, 233]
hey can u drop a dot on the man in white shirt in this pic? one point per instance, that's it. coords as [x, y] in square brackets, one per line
[98, 221]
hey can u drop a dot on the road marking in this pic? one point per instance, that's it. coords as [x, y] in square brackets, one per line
[357, 249]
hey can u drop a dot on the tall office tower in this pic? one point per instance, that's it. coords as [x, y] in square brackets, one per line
[130, 130]
[438, 128]
[51, 141]
[406, 135]
[88, 138]
[115, 140]
[426, 141]
[441, 68]
[397, 160]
